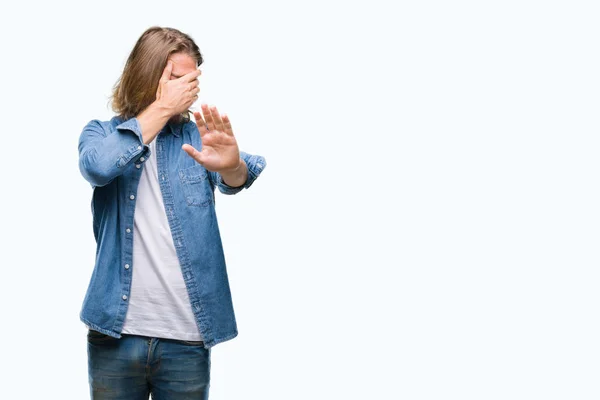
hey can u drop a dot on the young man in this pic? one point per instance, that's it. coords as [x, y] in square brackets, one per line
[159, 296]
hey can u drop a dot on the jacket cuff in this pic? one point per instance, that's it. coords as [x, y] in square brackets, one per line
[255, 164]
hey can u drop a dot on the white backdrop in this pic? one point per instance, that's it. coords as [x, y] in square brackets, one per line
[427, 226]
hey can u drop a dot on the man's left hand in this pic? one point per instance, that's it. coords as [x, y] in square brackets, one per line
[220, 152]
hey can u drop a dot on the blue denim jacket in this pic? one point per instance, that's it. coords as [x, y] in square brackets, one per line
[111, 159]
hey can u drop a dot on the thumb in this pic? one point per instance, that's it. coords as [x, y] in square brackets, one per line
[195, 154]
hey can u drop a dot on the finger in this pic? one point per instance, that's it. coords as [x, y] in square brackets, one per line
[192, 152]
[227, 125]
[166, 75]
[192, 85]
[195, 91]
[208, 117]
[190, 76]
[200, 123]
[217, 118]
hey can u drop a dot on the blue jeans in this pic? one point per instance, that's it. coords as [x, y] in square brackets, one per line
[134, 366]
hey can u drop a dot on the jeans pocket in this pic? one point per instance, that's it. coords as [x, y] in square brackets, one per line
[196, 186]
[98, 337]
[192, 342]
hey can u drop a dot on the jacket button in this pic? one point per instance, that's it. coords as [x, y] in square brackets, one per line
[138, 166]
[132, 197]
[124, 297]
[126, 266]
[128, 230]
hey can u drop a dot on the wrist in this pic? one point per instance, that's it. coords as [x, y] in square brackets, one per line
[235, 170]
[159, 110]
[235, 177]
[152, 119]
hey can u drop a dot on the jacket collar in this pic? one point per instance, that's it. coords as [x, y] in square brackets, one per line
[175, 128]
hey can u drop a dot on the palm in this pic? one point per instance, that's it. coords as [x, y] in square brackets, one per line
[219, 148]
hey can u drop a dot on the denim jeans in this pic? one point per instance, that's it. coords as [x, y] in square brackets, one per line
[133, 367]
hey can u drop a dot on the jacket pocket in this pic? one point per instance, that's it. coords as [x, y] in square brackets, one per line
[196, 186]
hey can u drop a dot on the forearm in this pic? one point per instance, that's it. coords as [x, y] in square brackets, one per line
[152, 120]
[236, 177]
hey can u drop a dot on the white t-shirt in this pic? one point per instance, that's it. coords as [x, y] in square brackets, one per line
[159, 304]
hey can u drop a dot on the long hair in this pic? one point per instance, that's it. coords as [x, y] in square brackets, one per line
[136, 87]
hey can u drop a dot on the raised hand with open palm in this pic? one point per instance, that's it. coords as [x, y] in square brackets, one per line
[220, 152]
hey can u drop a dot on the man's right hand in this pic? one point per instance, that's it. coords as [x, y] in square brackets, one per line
[177, 95]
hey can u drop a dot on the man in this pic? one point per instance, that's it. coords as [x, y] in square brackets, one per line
[159, 296]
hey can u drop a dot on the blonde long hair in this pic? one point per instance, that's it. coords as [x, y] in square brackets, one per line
[136, 87]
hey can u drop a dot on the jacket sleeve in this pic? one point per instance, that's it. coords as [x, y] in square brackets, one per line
[256, 164]
[105, 152]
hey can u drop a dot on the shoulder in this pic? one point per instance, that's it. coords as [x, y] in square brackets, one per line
[114, 121]
[99, 127]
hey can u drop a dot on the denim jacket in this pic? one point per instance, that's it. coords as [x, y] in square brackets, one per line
[111, 159]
